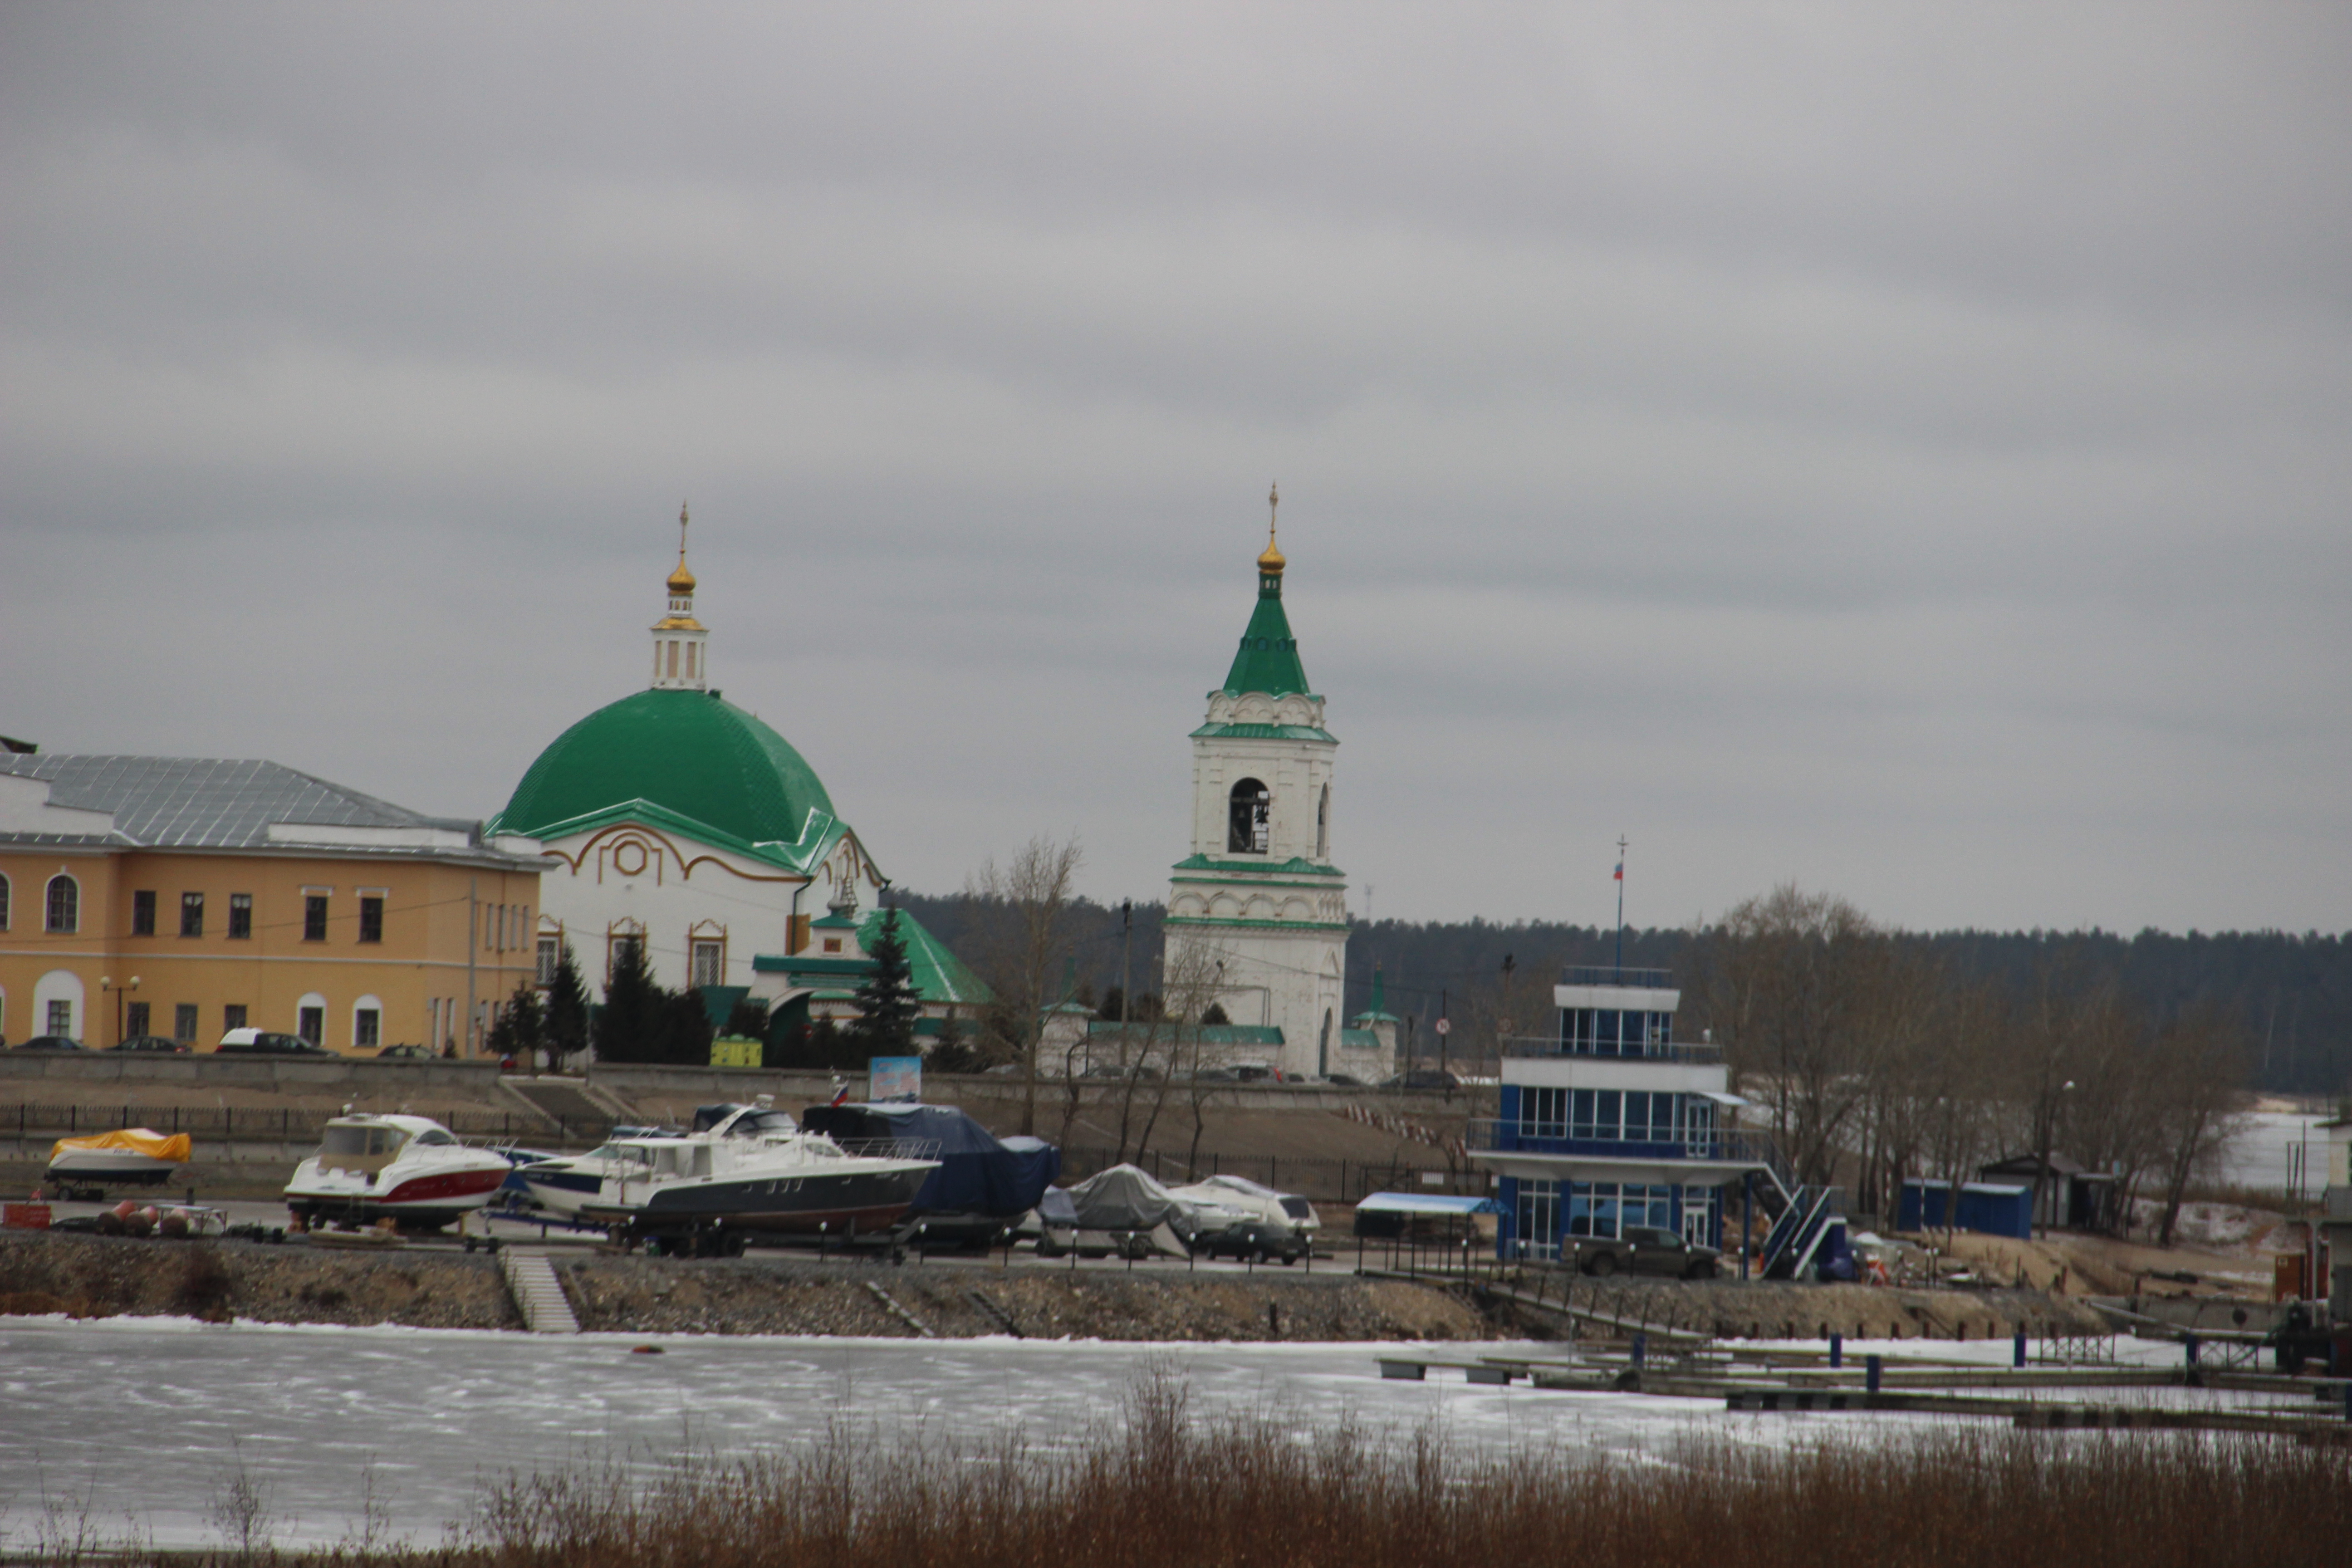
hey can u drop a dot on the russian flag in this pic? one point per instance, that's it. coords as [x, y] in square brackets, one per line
[840, 1092]
[1620, 873]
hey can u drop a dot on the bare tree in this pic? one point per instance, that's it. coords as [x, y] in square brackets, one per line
[1190, 978]
[2198, 1064]
[1025, 945]
[1804, 993]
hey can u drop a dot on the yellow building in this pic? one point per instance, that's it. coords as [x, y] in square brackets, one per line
[185, 897]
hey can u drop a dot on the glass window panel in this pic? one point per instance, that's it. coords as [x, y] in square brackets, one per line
[1580, 1208]
[1605, 1209]
[1607, 1114]
[1637, 1115]
[1582, 1115]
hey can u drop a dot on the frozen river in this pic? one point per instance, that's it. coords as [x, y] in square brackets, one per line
[144, 1422]
[2274, 1149]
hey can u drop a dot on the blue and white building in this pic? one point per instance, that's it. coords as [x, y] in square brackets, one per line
[1610, 1122]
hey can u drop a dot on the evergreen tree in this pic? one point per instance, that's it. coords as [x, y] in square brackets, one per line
[630, 1028]
[685, 1029]
[521, 1029]
[749, 1021]
[823, 1045]
[566, 1018]
[949, 1053]
[887, 1003]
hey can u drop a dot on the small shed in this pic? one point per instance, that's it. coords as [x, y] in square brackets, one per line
[1993, 1208]
[2074, 1196]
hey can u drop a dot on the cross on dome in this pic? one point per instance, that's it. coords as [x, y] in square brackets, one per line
[681, 581]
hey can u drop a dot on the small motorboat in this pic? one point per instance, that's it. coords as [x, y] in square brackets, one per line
[126, 1157]
[405, 1169]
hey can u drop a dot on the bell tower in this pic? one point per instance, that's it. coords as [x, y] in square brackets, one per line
[680, 659]
[1258, 904]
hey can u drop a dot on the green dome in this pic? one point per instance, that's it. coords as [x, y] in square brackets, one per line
[698, 757]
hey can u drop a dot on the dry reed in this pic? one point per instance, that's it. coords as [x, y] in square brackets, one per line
[1159, 1490]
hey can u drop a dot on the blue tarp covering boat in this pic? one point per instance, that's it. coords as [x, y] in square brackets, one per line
[979, 1173]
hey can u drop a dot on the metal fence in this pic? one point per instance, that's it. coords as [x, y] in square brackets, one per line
[1323, 1180]
[282, 1124]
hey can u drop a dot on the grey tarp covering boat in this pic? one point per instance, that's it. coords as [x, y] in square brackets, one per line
[1125, 1198]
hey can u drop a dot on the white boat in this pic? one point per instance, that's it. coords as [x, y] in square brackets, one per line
[126, 1157]
[742, 1169]
[406, 1169]
[1288, 1210]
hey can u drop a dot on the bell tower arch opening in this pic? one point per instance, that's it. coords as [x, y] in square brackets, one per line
[1249, 818]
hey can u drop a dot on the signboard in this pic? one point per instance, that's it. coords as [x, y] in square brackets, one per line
[893, 1078]
[735, 1051]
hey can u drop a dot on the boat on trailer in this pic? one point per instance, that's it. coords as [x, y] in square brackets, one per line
[126, 1157]
[743, 1171]
[409, 1169]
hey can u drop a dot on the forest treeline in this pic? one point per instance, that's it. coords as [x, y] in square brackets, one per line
[2289, 995]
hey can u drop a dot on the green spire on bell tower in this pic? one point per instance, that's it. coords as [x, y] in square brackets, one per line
[1268, 659]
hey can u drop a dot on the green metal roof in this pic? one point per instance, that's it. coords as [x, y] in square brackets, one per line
[1206, 1034]
[713, 769]
[1263, 732]
[1268, 659]
[937, 975]
[1296, 866]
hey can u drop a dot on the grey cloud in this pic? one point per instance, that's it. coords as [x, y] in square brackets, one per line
[1899, 450]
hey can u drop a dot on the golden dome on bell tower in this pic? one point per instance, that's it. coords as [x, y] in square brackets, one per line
[1272, 562]
[681, 581]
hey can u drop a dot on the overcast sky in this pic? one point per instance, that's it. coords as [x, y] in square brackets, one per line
[1899, 448]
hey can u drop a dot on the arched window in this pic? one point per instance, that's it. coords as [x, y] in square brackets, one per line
[65, 903]
[1323, 824]
[1250, 818]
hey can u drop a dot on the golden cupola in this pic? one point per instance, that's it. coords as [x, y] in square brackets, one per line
[679, 662]
[1272, 562]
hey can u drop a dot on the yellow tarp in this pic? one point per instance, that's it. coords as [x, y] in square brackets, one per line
[174, 1146]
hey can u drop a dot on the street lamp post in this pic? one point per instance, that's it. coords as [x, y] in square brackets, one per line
[106, 982]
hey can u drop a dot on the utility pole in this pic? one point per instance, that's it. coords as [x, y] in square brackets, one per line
[473, 949]
[1125, 961]
[1444, 1030]
[1620, 907]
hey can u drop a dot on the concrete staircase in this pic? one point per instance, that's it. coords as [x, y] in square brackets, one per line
[538, 1294]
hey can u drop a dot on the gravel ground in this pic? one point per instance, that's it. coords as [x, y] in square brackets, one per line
[442, 1286]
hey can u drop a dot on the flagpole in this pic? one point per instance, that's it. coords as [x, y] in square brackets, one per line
[1620, 909]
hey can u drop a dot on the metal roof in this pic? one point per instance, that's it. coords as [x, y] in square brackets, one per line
[213, 803]
[1426, 1202]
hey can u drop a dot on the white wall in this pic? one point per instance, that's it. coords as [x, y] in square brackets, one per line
[675, 890]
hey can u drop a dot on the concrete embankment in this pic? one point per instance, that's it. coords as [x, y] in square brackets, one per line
[762, 1294]
[1733, 1309]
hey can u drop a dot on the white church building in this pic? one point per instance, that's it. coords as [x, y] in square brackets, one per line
[675, 819]
[1259, 899]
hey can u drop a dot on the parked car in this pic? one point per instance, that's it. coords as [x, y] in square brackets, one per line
[48, 1043]
[1255, 1238]
[405, 1053]
[156, 1043]
[263, 1042]
[1342, 1080]
[1646, 1249]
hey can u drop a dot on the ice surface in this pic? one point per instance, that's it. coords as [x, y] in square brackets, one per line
[144, 1422]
